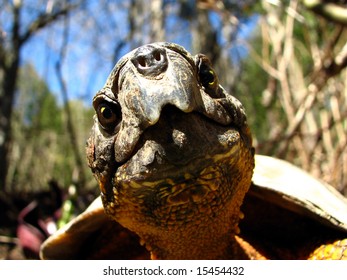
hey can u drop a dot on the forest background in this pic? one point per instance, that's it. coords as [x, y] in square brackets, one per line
[285, 60]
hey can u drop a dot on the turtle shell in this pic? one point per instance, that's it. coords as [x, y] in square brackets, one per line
[287, 215]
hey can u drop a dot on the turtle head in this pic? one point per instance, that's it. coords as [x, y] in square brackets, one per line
[171, 151]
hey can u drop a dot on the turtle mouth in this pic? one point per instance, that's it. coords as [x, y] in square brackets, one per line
[177, 150]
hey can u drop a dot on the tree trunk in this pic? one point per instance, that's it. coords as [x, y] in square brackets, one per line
[8, 87]
[10, 66]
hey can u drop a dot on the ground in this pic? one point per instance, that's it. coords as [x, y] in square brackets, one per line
[24, 216]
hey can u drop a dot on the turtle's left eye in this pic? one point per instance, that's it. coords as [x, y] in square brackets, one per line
[108, 115]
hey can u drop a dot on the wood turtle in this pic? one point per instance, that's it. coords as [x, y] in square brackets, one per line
[172, 154]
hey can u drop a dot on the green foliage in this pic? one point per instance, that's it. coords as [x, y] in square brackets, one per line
[36, 105]
[41, 147]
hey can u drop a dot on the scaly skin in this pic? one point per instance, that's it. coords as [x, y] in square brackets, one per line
[194, 219]
[334, 251]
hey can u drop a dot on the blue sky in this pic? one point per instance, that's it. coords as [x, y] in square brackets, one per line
[87, 66]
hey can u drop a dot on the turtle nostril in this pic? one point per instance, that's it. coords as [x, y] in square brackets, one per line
[157, 56]
[150, 60]
[142, 61]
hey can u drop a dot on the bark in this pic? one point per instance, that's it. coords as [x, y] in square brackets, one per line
[9, 77]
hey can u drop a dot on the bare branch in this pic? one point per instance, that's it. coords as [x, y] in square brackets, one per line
[329, 10]
[70, 127]
[331, 65]
[44, 20]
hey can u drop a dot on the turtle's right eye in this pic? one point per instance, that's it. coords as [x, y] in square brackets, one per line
[108, 115]
[207, 78]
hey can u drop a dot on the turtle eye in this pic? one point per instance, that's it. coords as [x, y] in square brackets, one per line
[207, 77]
[108, 115]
